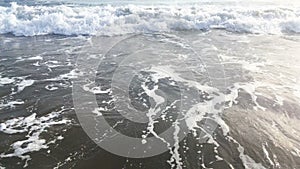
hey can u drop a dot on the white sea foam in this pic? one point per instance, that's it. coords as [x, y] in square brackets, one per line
[10, 104]
[197, 112]
[73, 74]
[97, 111]
[248, 162]
[90, 87]
[114, 20]
[5, 80]
[24, 83]
[266, 153]
[51, 87]
[20, 82]
[33, 126]
[36, 58]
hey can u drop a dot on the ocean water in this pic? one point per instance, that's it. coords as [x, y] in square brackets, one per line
[160, 84]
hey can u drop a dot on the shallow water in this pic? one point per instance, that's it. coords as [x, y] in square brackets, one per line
[253, 79]
[202, 85]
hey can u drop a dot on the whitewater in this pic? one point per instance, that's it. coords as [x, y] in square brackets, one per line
[23, 20]
[150, 84]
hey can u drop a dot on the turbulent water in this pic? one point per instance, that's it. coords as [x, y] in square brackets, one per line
[116, 20]
[149, 85]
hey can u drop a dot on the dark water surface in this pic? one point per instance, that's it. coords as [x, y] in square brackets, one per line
[253, 78]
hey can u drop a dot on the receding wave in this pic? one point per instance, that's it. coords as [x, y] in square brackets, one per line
[22, 20]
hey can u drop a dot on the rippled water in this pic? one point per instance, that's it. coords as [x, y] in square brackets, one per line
[170, 87]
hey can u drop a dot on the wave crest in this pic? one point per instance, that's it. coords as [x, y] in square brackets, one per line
[22, 20]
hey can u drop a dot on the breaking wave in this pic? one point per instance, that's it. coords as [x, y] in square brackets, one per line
[22, 20]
